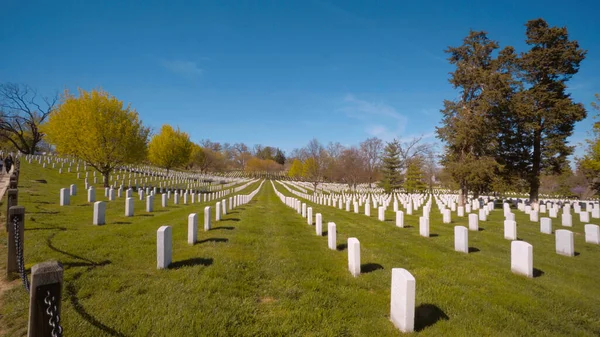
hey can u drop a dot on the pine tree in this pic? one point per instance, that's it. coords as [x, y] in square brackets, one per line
[391, 166]
[470, 126]
[413, 181]
[546, 113]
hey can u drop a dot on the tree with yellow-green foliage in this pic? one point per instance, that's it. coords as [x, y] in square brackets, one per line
[296, 169]
[96, 128]
[590, 163]
[170, 148]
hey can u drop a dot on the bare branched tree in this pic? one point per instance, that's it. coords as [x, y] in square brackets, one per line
[371, 149]
[21, 114]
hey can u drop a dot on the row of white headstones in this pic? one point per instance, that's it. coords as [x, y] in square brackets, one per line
[402, 310]
[99, 217]
[403, 290]
[164, 235]
[563, 238]
[147, 175]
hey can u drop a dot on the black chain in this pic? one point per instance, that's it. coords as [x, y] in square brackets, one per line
[52, 312]
[19, 249]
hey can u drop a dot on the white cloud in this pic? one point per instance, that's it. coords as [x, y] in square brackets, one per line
[382, 120]
[187, 69]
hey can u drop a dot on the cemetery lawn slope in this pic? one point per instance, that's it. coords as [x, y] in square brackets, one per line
[262, 271]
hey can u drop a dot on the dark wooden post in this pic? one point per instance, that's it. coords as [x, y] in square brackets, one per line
[46, 285]
[12, 199]
[18, 212]
[14, 180]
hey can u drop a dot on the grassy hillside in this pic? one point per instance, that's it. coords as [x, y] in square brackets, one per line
[262, 271]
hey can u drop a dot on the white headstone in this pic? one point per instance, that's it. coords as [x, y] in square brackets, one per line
[218, 212]
[192, 228]
[65, 199]
[129, 207]
[446, 217]
[309, 217]
[331, 236]
[510, 230]
[584, 216]
[473, 222]
[461, 239]
[400, 219]
[533, 216]
[207, 218]
[402, 308]
[91, 194]
[482, 215]
[73, 189]
[567, 220]
[461, 211]
[381, 214]
[424, 226]
[546, 226]
[564, 242]
[521, 258]
[354, 256]
[150, 203]
[319, 224]
[592, 234]
[164, 198]
[164, 247]
[99, 213]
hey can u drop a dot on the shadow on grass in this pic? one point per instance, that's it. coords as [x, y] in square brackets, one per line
[44, 212]
[427, 315]
[228, 228]
[42, 202]
[191, 262]
[51, 246]
[407, 226]
[577, 253]
[537, 272]
[473, 250]
[231, 219]
[481, 229]
[342, 246]
[122, 223]
[433, 235]
[370, 267]
[46, 229]
[71, 291]
[145, 214]
[213, 240]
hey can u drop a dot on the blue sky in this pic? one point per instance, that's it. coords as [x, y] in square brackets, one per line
[275, 72]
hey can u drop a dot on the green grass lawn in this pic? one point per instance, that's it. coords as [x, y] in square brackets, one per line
[262, 271]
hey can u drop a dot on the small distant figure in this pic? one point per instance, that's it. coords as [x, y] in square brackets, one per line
[8, 163]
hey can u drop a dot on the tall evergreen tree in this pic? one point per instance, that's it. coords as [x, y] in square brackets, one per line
[545, 113]
[413, 179]
[470, 124]
[391, 166]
